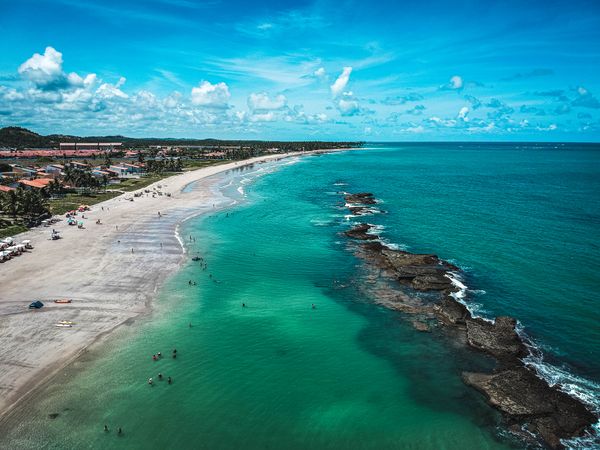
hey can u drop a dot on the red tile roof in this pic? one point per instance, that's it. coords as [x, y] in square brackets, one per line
[38, 183]
[6, 188]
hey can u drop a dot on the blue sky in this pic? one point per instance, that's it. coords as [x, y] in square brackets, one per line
[377, 70]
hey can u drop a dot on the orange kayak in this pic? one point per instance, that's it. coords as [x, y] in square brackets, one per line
[64, 300]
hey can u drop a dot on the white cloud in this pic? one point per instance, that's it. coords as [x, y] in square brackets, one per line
[44, 70]
[211, 95]
[348, 107]
[262, 102]
[111, 91]
[264, 117]
[463, 113]
[10, 94]
[320, 72]
[340, 84]
[46, 73]
[456, 83]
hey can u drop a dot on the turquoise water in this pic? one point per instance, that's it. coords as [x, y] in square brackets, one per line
[522, 221]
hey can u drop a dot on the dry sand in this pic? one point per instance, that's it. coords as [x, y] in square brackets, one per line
[108, 284]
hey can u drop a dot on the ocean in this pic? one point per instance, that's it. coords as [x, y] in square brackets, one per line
[259, 367]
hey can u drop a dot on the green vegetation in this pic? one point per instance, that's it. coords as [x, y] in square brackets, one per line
[21, 208]
[12, 230]
[72, 201]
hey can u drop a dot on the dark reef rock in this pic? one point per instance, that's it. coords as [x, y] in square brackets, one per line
[361, 198]
[451, 312]
[524, 398]
[361, 232]
[499, 338]
[420, 272]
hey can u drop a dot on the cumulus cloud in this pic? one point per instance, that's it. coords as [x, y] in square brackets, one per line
[348, 106]
[341, 82]
[455, 83]
[320, 73]
[211, 95]
[417, 110]
[112, 91]
[463, 114]
[45, 72]
[263, 117]
[475, 102]
[261, 102]
[585, 99]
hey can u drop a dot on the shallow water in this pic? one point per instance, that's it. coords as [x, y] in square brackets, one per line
[521, 220]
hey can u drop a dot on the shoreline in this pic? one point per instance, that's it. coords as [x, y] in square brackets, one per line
[34, 351]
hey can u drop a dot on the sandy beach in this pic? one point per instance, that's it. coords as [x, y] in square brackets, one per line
[110, 271]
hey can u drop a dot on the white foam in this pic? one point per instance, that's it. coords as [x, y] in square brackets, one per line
[475, 309]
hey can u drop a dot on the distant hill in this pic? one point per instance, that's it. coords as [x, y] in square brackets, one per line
[22, 138]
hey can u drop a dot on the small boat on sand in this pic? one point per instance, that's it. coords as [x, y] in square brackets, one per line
[62, 300]
[63, 325]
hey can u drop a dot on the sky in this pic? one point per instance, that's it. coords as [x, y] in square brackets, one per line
[303, 70]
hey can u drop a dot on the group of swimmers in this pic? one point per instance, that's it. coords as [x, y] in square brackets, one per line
[119, 430]
[158, 356]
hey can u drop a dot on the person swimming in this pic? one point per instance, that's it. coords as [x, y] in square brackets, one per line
[243, 305]
[154, 358]
[150, 381]
[169, 380]
[106, 428]
[159, 354]
[120, 431]
[160, 376]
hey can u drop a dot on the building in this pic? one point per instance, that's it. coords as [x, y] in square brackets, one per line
[79, 165]
[24, 172]
[133, 168]
[97, 146]
[38, 183]
[54, 169]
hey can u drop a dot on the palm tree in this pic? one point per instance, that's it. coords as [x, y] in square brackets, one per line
[12, 202]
